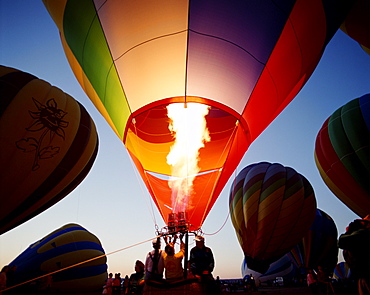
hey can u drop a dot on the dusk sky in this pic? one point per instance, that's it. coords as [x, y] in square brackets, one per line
[112, 201]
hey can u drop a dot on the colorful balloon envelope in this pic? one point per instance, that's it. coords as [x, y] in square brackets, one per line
[342, 154]
[342, 271]
[69, 245]
[241, 62]
[48, 145]
[271, 207]
[357, 24]
[319, 245]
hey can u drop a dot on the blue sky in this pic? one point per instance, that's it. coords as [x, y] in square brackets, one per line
[112, 201]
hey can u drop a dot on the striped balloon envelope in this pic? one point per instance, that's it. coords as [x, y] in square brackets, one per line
[48, 146]
[342, 154]
[242, 61]
[319, 245]
[69, 245]
[271, 207]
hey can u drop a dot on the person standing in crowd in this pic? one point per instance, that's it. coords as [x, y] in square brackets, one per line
[173, 261]
[3, 278]
[108, 284]
[126, 282]
[136, 282]
[154, 264]
[116, 284]
[201, 260]
[323, 281]
[312, 282]
[11, 280]
[202, 264]
[355, 243]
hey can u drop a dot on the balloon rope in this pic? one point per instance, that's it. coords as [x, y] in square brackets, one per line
[222, 226]
[227, 217]
[79, 263]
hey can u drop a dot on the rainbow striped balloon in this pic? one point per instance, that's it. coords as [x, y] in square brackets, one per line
[271, 207]
[342, 154]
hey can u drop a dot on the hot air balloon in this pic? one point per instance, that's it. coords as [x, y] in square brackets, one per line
[48, 146]
[342, 154]
[318, 246]
[357, 24]
[228, 68]
[342, 271]
[271, 208]
[283, 267]
[69, 245]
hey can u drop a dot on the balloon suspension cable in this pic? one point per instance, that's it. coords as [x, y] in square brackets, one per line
[148, 202]
[222, 226]
[77, 264]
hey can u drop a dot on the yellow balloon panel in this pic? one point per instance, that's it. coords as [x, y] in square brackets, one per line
[142, 69]
[130, 24]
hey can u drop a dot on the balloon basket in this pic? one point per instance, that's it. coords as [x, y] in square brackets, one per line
[177, 223]
[188, 287]
[172, 223]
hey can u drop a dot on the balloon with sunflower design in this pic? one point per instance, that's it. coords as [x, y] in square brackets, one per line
[48, 145]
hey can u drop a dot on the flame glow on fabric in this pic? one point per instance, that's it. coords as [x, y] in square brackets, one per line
[188, 125]
[245, 62]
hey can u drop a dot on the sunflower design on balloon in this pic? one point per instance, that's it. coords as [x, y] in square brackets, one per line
[49, 120]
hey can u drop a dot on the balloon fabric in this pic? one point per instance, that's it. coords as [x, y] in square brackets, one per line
[48, 145]
[243, 61]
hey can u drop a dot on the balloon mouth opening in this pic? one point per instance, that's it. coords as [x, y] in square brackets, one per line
[150, 138]
[258, 265]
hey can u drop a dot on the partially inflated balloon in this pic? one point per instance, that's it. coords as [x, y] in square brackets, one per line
[48, 145]
[271, 208]
[283, 267]
[342, 154]
[64, 247]
[319, 245]
[241, 62]
[357, 24]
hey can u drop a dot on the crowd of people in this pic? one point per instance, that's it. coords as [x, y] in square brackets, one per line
[166, 267]
[355, 243]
